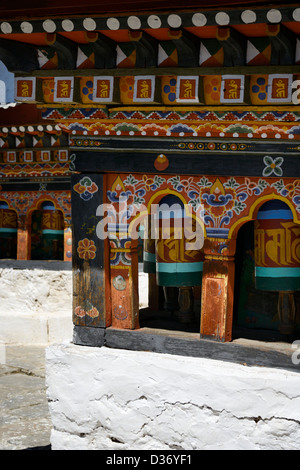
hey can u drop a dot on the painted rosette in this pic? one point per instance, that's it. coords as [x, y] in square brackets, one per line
[277, 248]
[52, 222]
[176, 265]
[8, 222]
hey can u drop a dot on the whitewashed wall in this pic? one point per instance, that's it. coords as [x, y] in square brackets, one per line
[110, 399]
[36, 301]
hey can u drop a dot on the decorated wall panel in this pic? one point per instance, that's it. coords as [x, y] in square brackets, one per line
[199, 105]
[230, 89]
[228, 202]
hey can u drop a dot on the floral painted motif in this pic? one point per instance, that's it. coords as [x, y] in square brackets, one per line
[123, 256]
[87, 309]
[86, 188]
[178, 129]
[139, 189]
[222, 201]
[86, 249]
[290, 190]
[273, 165]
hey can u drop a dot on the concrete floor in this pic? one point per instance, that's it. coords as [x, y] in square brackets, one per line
[25, 422]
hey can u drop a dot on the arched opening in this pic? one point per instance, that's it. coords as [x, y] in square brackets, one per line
[8, 232]
[267, 286]
[47, 233]
[174, 262]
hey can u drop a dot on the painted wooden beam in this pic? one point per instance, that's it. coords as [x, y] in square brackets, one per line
[234, 46]
[200, 71]
[182, 163]
[139, 51]
[222, 15]
[17, 56]
[100, 52]
[283, 44]
[65, 49]
[105, 51]
[182, 48]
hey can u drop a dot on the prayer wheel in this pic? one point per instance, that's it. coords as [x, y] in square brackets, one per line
[277, 258]
[277, 248]
[8, 222]
[149, 266]
[176, 266]
[52, 222]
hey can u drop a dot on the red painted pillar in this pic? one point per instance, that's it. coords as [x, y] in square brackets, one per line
[218, 289]
[24, 238]
[124, 283]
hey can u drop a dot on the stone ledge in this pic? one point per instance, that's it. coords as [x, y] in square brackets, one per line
[246, 352]
[51, 265]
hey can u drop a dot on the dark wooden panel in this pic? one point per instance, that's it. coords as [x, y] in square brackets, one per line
[88, 253]
[18, 56]
[183, 163]
[27, 184]
[196, 145]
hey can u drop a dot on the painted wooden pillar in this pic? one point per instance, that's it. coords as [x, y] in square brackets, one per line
[24, 237]
[218, 289]
[88, 260]
[124, 282]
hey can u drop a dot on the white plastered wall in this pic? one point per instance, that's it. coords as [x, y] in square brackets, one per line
[111, 399]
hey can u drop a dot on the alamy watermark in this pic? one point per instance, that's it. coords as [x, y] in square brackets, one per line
[296, 92]
[296, 354]
[159, 222]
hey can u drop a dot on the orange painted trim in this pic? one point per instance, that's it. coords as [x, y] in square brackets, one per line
[253, 210]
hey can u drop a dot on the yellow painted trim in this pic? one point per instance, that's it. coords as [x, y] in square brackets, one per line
[256, 204]
[219, 258]
[182, 198]
[122, 266]
[118, 250]
[9, 203]
[163, 192]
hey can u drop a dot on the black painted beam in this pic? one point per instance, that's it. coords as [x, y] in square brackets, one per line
[182, 163]
[17, 56]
